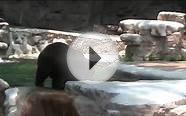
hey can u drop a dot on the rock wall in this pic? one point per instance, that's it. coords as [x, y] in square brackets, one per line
[81, 15]
[162, 39]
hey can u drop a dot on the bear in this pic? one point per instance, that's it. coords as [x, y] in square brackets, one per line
[52, 62]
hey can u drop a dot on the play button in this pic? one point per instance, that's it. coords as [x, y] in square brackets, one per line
[96, 59]
[93, 58]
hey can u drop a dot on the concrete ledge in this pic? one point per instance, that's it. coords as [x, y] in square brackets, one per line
[130, 98]
[133, 72]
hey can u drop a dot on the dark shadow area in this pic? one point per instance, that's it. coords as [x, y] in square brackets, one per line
[81, 15]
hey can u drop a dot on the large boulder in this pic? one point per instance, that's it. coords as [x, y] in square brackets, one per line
[134, 49]
[179, 111]
[172, 16]
[152, 98]
[156, 27]
[142, 71]
[162, 40]
[11, 97]
[131, 39]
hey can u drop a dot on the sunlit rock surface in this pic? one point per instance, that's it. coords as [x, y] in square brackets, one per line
[131, 39]
[3, 45]
[27, 43]
[132, 98]
[131, 72]
[134, 46]
[172, 16]
[157, 27]
[162, 40]
[87, 107]
[11, 102]
[3, 86]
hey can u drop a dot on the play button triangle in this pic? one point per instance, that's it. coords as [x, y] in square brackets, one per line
[93, 58]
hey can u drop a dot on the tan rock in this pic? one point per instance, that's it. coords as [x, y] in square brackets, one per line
[156, 27]
[131, 39]
[178, 111]
[175, 40]
[184, 41]
[172, 16]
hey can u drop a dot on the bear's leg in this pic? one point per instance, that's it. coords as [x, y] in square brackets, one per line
[58, 83]
[41, 74]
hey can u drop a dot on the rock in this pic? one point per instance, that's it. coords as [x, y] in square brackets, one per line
[175, 40]
[107, 29]
[3, 45]
[184, 40]
[173, 54]
[157, 39]
[3, 86]
[183, 52]
[60, 40]
[4, 37]
[178, 111]
[87, 107]
[122, 55]
[42, 44]
[11, 102]
[133, 51]
[113, 29]
[184, 43]
[132, 72]
[131, 39]
[172, 16]
[27, 101]
[4, 32]
[17, 51]
[38, 39]
[156, 27]
[34, 40]
[131, 98]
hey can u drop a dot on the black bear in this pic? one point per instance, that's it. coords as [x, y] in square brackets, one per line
[52, 62]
